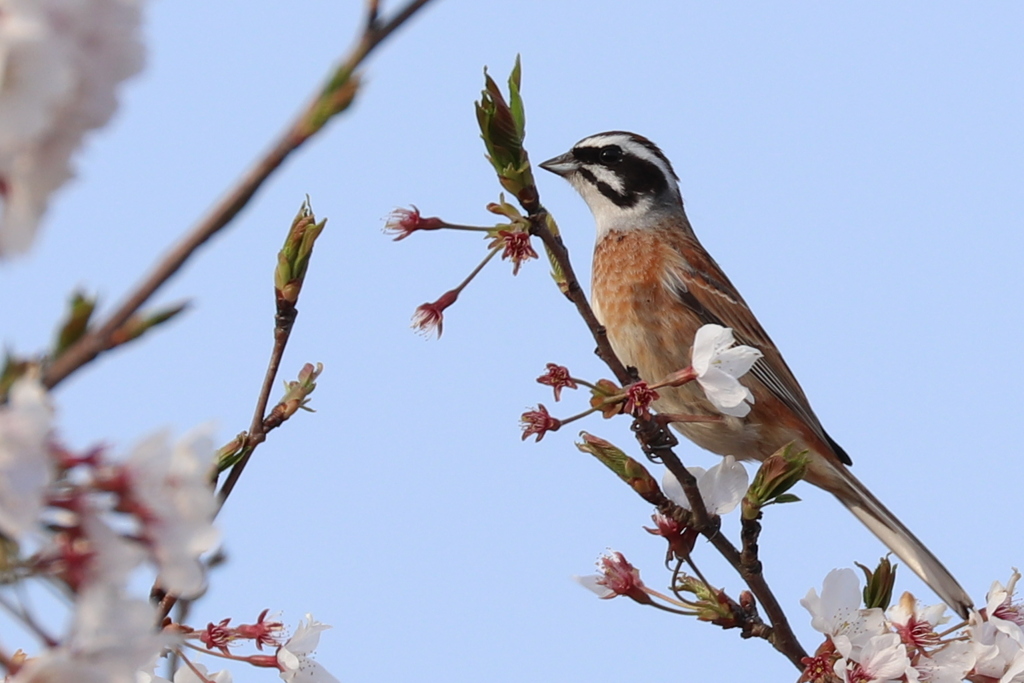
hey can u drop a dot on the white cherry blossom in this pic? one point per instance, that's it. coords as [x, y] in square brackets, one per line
[722, 487]
[995, 652]
[838, 614]
[719, 365]
[950, 664]
[883, 659]
[293, 656]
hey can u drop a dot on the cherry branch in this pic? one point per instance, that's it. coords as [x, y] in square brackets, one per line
[657, 443]
[292, 265]
[503, 128]
[333, 98]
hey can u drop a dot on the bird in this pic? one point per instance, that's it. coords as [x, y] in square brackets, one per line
[654, 285]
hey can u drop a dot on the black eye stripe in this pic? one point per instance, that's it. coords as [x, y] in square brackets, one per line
[588, 155]
[624, 199]
[639, 176]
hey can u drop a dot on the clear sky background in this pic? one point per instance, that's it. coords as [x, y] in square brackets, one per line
[857, 169]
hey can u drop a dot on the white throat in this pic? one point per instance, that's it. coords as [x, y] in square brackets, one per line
[647, 213]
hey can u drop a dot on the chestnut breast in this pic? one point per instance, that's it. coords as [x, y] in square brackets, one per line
[650, 329]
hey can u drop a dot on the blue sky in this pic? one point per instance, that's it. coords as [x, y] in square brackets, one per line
[856, 169]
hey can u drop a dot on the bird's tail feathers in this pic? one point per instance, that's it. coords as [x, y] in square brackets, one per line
[900, 540]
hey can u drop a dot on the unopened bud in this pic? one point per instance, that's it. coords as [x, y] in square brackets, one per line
[627, 469]
[711, 604]
[748, 602]
[879, 584]
[777, 474]
[293, 259]
[602, 391]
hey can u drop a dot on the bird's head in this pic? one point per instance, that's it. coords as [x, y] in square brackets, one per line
[623, 177]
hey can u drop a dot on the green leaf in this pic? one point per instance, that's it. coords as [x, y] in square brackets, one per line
[787, 498]
[516, 101]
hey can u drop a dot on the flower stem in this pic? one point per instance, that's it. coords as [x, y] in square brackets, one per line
[688, 607]
[468, 228]
[476, 271]
[577, 416]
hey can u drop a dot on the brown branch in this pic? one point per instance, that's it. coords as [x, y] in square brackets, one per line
[98, 340]
[657, 443]
[749, 533]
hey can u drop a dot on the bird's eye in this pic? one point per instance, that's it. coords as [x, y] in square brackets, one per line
[610, 155]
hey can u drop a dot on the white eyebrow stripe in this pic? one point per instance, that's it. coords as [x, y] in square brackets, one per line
[629, 145]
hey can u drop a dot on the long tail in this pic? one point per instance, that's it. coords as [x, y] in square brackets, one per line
[900, 540]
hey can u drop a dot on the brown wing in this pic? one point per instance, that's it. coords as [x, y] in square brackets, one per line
[701, 286]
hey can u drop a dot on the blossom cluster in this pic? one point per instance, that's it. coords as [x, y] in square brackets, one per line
[905, 642]
[88, 522]
[717, 364]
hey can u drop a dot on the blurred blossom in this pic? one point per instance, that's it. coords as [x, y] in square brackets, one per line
[186, 675]
[60, 64]
[26, 468]
[719, 364]
[722, 487]
[171, 487]
[113, 638]
[293, 657]
[111, 557]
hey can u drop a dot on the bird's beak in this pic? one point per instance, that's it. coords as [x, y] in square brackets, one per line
[561, 165]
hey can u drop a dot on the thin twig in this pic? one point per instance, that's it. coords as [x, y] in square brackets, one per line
[98, 340]
[657, 443]
[284, 322]
[284, 319]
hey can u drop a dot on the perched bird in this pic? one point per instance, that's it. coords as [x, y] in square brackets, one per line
[654, 286]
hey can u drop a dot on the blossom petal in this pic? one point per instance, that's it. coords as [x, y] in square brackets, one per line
[590, 582]
[723, 486]
[885, 657]
[671, 487]
[726, 393]
[306, 636]
[709, 341]
[737, 360]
